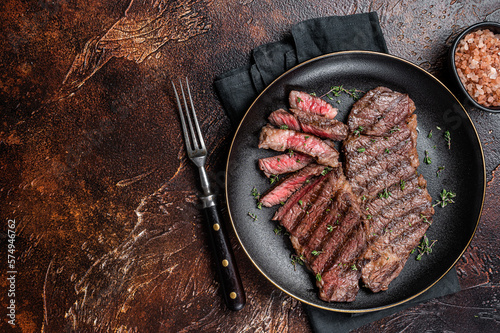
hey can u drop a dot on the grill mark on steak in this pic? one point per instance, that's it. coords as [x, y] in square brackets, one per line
[397, 192]
[311, 104]
[339, 281]
[287, 186]
[284, 163]
[371, 182]
[281, 140]
[333, 242]
[387, 254]
[367, 167]
[320, 126]
[316, 211]
[379, 111]
[337, 206]
[297, 212]
[380, 156]
[294, 199]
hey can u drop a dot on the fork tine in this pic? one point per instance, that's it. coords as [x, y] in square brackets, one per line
[188, 116]
[195, 118]
[185, 132]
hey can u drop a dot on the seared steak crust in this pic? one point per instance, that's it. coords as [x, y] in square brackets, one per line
[379, 111]
[325, 230]
[381, 165]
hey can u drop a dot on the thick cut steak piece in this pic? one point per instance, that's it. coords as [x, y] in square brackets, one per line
[282, 140]
[306, 122]
[324, 223]
[311, 104]
[284, 163]
[381, 163]
[287, 186]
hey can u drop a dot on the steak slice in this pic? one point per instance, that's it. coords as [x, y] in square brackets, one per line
[284, 163]
[281, 140]
[379, 111]
[281, 118]
[330, 238]
[287, 186]
[320, 126]
[299, 211]
[295, 198]
[311, 104]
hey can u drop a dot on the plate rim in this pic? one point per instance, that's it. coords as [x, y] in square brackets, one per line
[333, 54]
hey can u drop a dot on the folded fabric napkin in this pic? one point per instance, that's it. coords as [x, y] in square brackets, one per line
[237, 89]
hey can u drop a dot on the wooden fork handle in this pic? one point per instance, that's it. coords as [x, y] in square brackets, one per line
[229, 277]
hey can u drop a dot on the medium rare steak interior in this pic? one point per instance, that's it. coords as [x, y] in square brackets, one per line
[355, 222]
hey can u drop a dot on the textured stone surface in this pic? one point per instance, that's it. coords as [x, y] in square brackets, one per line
[93, 169]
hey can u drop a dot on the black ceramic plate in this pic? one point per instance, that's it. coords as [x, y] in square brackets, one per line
[437, 111]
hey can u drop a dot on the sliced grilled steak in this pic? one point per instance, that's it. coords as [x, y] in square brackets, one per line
[311, 104]
[379, 111]
[287, 186]
[295, 198]
[326, 231]
[299, 211]
[320, 126]
[284, 163]
[281, 140]
[281, 118]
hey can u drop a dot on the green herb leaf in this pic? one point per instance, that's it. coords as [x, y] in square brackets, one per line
[427, 159]
[441, 168]
[361, 150]
[446, 198]
[325, 171]
[447, 138]
[425, 247]
[358, 130]
[295, 259]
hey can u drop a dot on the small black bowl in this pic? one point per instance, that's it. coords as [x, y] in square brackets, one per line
[493, 26]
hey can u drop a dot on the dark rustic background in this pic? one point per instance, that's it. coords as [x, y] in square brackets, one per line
[93, 168]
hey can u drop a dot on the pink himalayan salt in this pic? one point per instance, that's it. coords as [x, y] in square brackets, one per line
[477, 59]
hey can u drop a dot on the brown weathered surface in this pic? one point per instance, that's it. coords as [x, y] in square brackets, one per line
[93, 169]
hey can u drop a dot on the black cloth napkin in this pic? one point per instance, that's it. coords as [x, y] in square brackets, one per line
[238, 88]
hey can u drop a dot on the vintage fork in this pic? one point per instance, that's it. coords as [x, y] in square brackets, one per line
[227, 270]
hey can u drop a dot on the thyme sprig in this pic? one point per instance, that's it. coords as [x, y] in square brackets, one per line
[337, 90]
[446, 198]
[425, 247]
